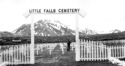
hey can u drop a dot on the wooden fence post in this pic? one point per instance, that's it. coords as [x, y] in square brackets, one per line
[124, 50]
[109, 52]
[62, 47]
[0, 55]
[50, 49]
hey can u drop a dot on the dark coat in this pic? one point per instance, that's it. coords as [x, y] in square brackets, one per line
[68, 45]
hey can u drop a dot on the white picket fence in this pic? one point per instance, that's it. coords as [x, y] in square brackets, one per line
[117, 51]
[20, 54]
[96, 50]
[15, 54]
[89, 51]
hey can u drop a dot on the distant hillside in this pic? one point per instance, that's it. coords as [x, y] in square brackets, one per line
[110, 36]
[48, 31]
[7, 34]
[56, 39]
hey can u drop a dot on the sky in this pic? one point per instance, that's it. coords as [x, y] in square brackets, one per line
[102, 15]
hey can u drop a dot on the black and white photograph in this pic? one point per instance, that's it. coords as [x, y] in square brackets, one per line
[62, 33]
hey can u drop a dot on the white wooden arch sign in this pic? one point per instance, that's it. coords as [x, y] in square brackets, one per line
[33, 12]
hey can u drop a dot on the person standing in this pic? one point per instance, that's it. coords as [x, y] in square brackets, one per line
[68, 45]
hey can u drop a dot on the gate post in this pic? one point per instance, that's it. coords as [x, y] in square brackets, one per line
[77, 45]
[32, 57]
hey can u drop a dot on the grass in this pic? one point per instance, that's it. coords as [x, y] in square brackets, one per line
[95, 63]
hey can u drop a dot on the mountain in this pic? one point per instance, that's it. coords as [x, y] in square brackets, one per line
[89, 32]
[46, 28]
[115, 31]
[6, 34]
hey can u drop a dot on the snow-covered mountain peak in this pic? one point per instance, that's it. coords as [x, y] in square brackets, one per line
[115, 31]
[46, 28]
[89, 32]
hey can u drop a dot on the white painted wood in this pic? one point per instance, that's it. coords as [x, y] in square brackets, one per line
[92, 51]
[25, 54]
[109, 52]
[124, 50]
[77, 51]
[82, 50]
[84, 44]
[97, 51]
[17, 54]
[50, 50]
[32, 55]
